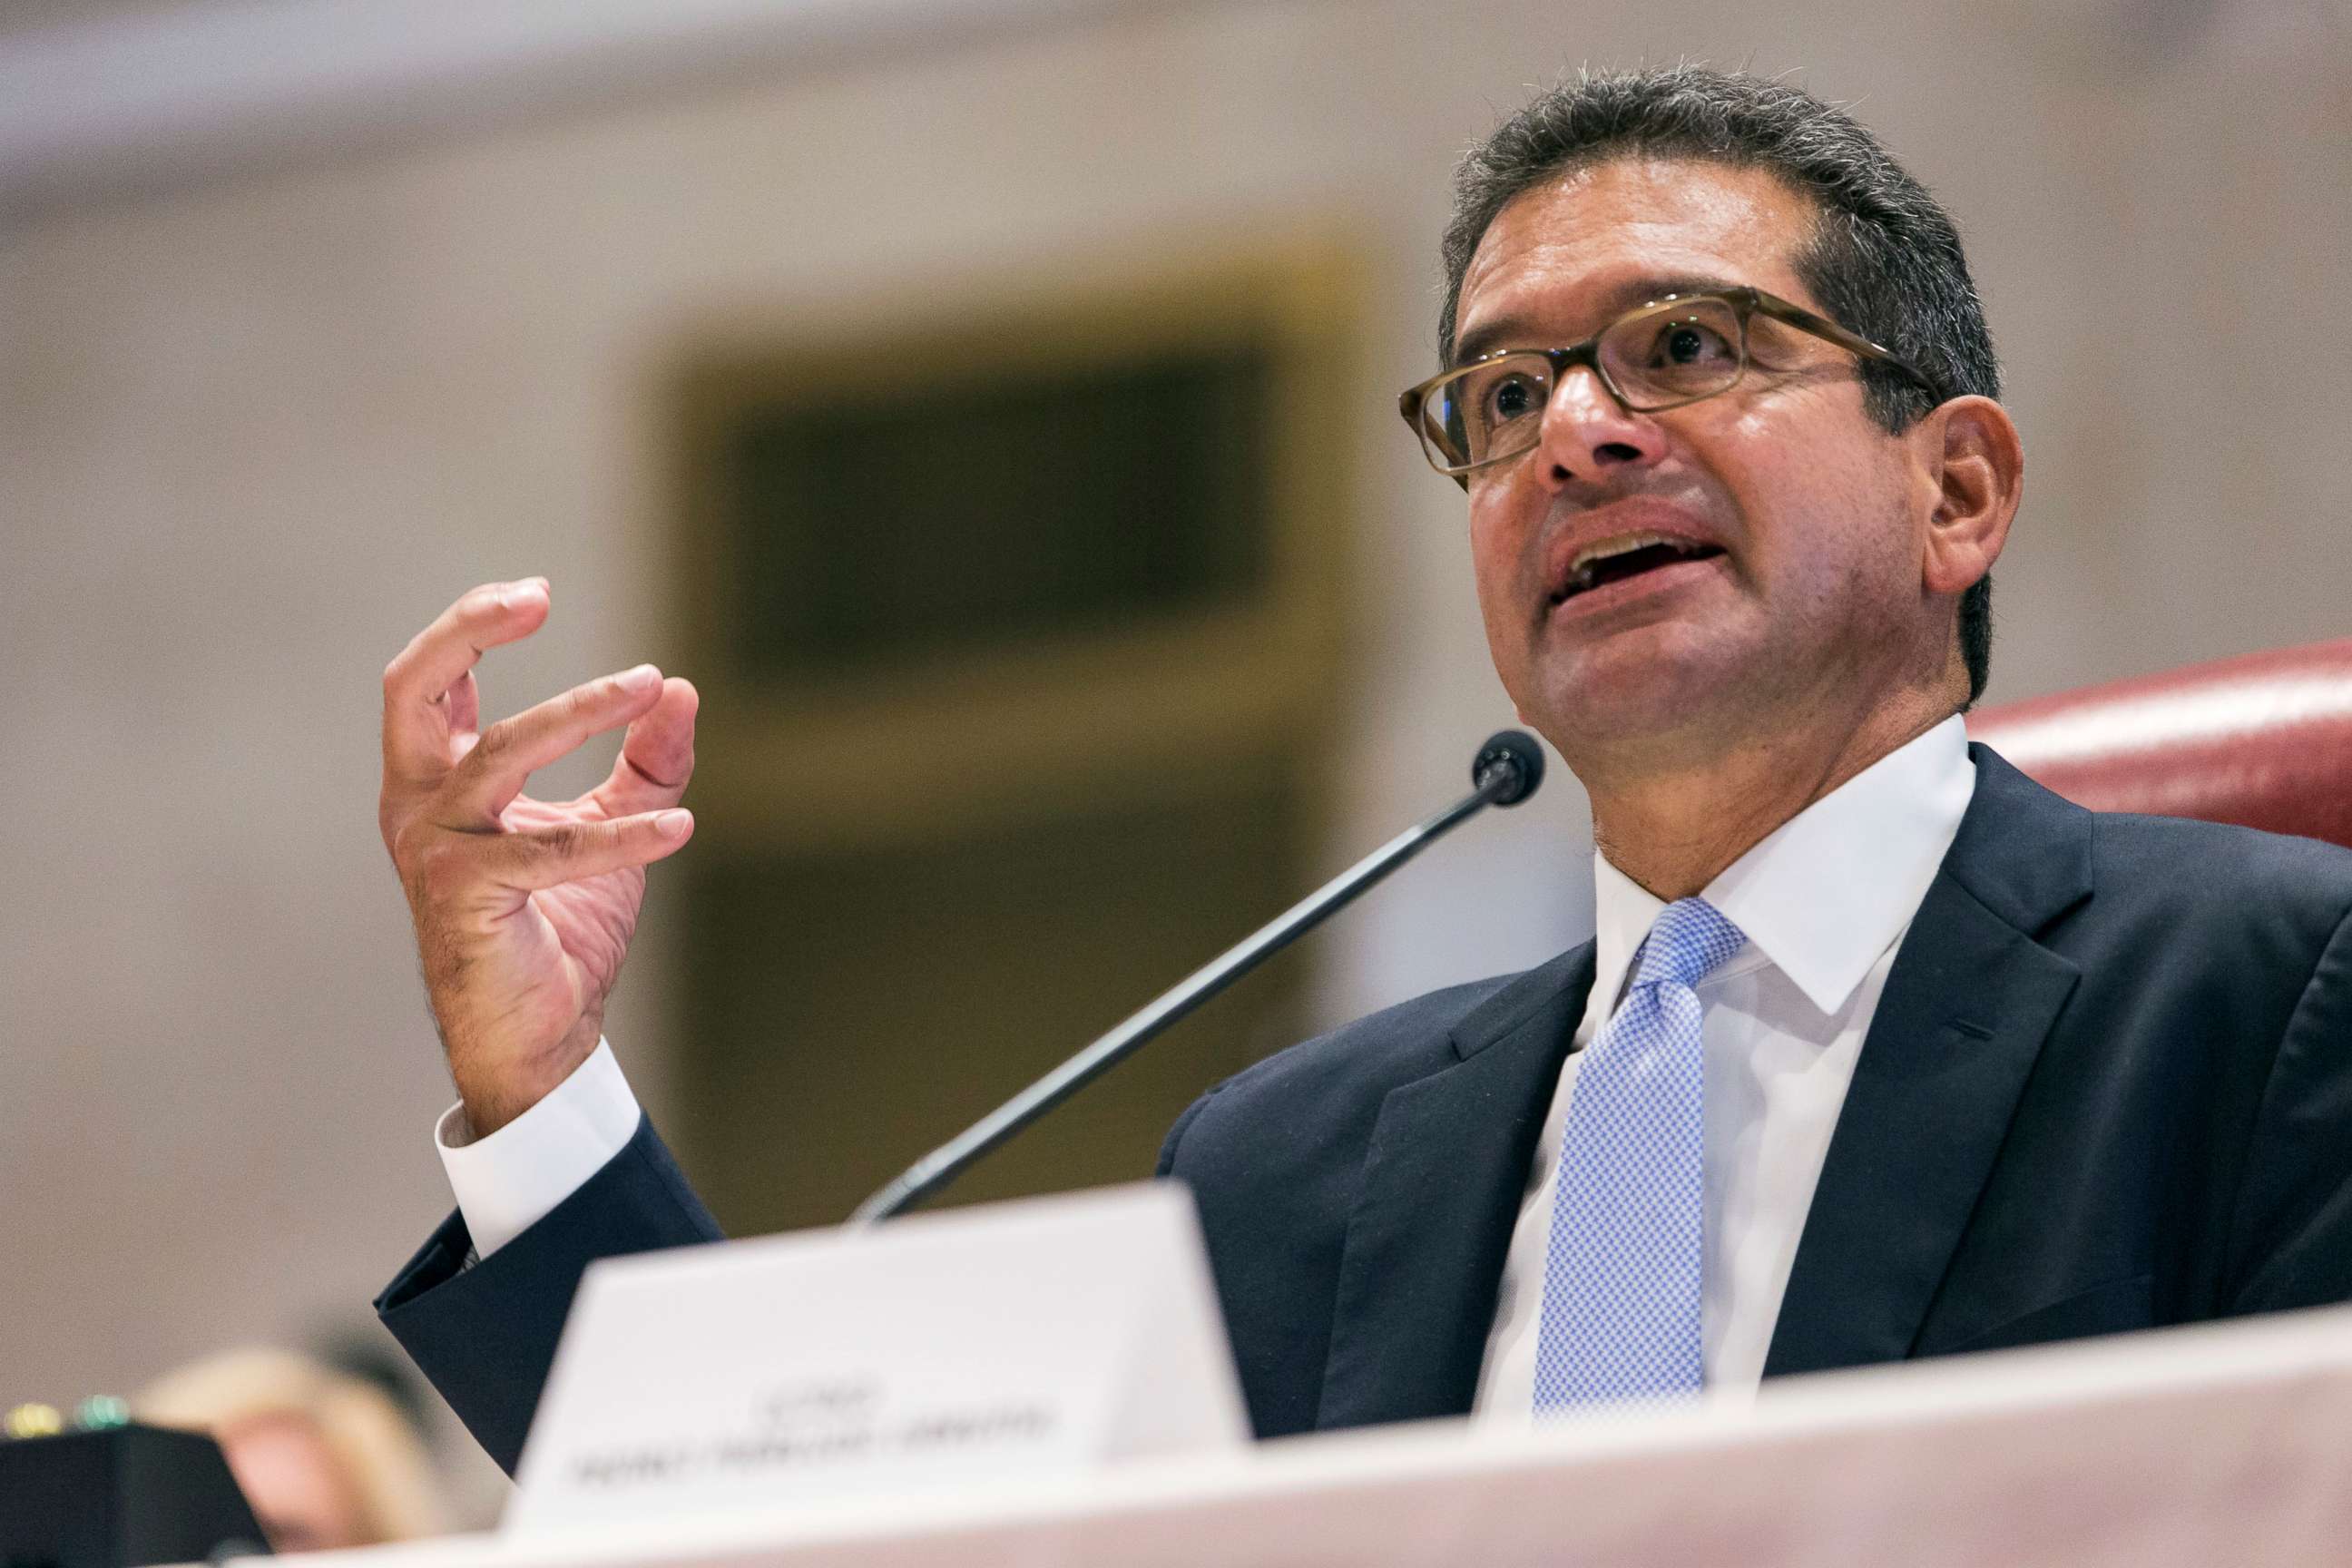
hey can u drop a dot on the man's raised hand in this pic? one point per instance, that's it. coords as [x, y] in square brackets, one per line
[524, 908]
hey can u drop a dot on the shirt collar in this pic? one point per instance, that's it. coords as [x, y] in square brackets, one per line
[1827, 891]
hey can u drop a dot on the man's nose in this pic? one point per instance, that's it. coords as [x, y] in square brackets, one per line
[1587, 431]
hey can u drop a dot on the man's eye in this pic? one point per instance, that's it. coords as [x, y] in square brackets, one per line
[1690, 343]
[1513, 397]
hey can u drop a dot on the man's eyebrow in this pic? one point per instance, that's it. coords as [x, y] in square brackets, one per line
[1629, 295]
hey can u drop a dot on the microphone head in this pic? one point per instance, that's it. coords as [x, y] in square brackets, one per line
[1513, 753]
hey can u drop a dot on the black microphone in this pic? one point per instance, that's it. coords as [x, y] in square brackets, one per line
[1506, 771]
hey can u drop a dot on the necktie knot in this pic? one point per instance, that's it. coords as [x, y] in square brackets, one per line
[1690, 940]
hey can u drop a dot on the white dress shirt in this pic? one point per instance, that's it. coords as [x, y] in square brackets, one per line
[1825, 902]
[509, 1181]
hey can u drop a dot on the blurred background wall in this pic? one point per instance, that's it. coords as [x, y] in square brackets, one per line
[276, 385]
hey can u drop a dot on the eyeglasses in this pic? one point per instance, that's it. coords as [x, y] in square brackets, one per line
[1669, 352]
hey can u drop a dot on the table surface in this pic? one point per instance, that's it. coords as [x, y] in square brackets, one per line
[2208, 1444]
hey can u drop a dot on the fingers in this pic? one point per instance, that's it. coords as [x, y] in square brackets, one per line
[656, 755]
[465, 710]
[550, 857]
[418, 682]
[495, 770]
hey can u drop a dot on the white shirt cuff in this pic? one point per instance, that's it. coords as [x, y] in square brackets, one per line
[509, 1182]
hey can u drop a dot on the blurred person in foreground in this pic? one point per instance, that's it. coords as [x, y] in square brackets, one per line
[326, 1459]
[1880, 1050]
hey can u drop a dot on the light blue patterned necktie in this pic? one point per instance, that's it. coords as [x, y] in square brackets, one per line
[1621, 1299]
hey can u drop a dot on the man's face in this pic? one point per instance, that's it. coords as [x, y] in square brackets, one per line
[1794, 578]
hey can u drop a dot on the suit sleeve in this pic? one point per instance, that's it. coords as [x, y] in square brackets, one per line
[486, 1334]
[1167, 1166]
[2291, 1242]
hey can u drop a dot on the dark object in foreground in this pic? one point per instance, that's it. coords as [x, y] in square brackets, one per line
[120, 1498]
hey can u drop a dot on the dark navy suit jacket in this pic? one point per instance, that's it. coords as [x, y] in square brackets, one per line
[2108, 1085]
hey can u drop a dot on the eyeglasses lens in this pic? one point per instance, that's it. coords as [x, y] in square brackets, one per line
[1489, 409]
[1673, 355]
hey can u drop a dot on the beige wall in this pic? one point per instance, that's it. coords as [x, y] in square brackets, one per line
[252, 434]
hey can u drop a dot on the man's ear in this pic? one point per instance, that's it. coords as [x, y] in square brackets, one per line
[1974, 467]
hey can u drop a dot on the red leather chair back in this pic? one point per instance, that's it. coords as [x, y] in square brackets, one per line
[2264, 740]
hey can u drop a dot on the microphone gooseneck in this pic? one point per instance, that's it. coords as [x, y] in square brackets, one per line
[1506, 770]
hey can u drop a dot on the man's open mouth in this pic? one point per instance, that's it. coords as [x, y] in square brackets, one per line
[1617, 560]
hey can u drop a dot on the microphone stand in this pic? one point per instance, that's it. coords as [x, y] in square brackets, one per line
[1507, 771]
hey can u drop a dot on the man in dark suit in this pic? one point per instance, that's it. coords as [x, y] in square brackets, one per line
[1879, 1049]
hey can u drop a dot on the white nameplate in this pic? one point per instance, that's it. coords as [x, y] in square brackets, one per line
[1050, 1333]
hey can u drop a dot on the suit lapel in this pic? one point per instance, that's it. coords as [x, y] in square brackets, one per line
[1444, 1177]
[1966, 1005]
